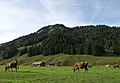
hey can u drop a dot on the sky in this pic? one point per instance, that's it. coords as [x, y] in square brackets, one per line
[22, 17]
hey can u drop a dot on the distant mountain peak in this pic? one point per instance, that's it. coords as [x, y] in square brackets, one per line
[50, 28]
[59, 25]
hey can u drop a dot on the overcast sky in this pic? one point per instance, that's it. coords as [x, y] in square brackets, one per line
[22, 17]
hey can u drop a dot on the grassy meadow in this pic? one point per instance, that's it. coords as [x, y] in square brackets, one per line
[28, 74]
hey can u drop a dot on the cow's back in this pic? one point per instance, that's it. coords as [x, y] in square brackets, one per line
[12, 64]
[79, 64]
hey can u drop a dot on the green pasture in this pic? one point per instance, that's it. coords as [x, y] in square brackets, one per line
[28, 74]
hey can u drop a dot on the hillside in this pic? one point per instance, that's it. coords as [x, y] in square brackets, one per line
[54, 39]
[65, 59]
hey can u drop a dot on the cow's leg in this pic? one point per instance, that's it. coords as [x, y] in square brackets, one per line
[8, 68]
[73, 70]
[11, 69]
[16, 69]
[78, 69]
[86, 69]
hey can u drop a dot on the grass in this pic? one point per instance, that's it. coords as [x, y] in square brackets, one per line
[28, 74]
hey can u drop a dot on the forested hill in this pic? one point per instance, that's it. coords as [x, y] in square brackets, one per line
[55, 39]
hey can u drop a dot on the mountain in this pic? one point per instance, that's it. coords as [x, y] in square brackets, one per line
[54, 39]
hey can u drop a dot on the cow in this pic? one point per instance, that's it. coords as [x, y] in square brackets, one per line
[116, 66]
[80, 65]
[107, 65]
[13, 64]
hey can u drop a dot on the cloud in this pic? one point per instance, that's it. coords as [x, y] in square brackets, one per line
[63, 12]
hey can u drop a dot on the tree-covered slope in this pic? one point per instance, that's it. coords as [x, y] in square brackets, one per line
[55, 39]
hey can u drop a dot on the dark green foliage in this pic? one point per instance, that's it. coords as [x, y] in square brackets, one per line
[55, 39]
[35, 50]
[97, 49]
[116, 49]
[23, 51]
[80, 49]
[9, 52]
[88, 48]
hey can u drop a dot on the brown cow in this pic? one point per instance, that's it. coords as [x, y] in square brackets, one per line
[80, 65]
[11, 65]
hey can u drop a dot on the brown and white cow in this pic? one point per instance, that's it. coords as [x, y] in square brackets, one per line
[13, 64]
[80, 65]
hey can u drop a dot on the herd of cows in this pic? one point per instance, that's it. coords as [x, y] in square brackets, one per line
[76, 66]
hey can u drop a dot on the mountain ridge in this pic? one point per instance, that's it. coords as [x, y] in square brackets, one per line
[55, 39]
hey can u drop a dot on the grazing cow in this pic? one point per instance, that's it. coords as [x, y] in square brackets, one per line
[107, 65]
[80, 65]
[11, 65]
[116, 66]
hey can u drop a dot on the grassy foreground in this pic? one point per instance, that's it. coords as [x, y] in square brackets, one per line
[28, 74]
